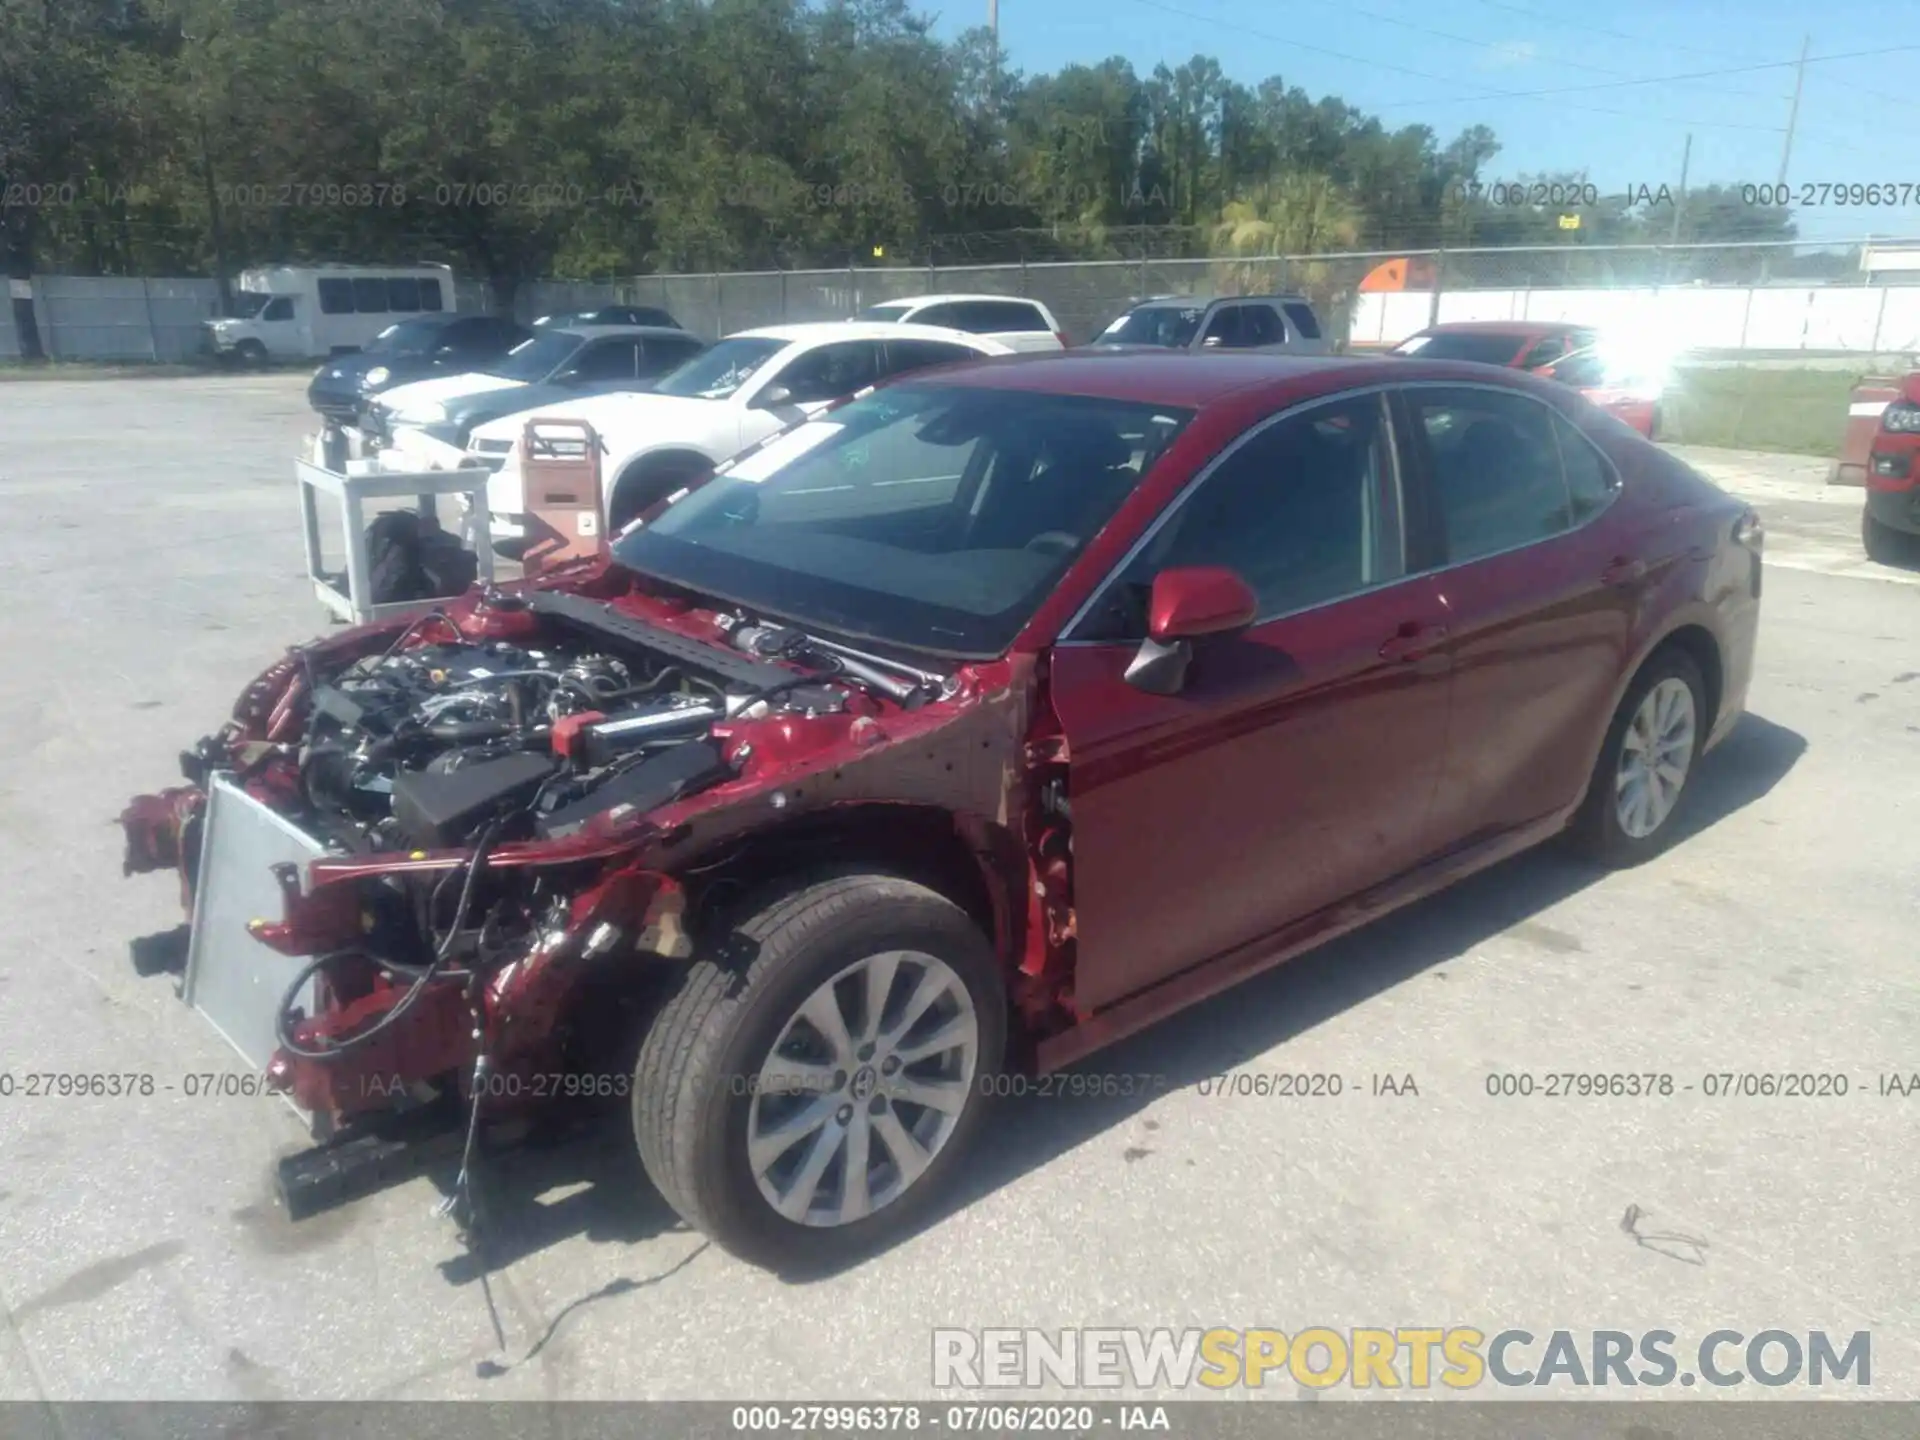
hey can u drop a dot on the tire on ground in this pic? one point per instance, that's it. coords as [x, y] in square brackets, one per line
[1884, 544]
[1596, 831]
[690, 1109]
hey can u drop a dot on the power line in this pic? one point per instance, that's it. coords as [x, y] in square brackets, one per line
[1484, 91]
[1662, 79]
[1497, 48]
[1663, 43]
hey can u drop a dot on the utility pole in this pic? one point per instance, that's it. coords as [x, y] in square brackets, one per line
[1793, 112]
[1680, 205]
[993, 28]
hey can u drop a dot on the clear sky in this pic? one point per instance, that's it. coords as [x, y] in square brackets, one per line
[1439, 64]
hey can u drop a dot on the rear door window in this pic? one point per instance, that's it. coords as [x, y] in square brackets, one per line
[1495, 469]
[997, 317]
[1260, 325]
[1303, 318]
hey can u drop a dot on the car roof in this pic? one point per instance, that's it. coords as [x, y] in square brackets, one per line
[1187, 379]
[1515, 328]
[597, 332]
[1196, 301]
[944, 299]
[855, 330]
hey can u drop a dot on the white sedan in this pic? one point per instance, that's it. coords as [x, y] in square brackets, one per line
[736, 394]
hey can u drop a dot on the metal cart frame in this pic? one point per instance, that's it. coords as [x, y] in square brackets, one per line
[351, 493]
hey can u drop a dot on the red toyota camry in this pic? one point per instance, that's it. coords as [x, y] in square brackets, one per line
[961, 731]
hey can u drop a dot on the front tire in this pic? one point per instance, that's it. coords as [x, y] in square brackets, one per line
[638, 491]
[812, 1087]
[1884, 544]
[251, 354]
[1645, 764]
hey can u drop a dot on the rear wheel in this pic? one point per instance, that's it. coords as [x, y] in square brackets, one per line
[1645, 764]
[812, 1087]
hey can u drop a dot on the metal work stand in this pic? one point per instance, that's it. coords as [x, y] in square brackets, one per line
[350, 493]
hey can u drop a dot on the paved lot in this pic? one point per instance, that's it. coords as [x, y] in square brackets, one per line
[153, 568]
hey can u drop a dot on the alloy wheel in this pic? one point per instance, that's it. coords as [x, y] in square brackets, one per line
[1656, 754]
[863, 1088]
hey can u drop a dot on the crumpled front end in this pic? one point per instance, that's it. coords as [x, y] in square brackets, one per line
[516, 796]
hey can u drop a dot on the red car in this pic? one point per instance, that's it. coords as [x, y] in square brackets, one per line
[960, 732]
[1890, 525]
[1517, 344]
[1625, 391]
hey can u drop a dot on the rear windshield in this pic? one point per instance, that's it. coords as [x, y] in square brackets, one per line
[1462, 345]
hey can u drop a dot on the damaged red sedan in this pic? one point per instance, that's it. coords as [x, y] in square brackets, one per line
[961, 730]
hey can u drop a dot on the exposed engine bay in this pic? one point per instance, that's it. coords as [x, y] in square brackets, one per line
[424, 746]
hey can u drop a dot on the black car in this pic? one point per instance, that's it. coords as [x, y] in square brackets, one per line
[609, 315]
[410, 350]
[552, 366]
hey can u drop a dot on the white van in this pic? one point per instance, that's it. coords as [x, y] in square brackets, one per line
[300, 312]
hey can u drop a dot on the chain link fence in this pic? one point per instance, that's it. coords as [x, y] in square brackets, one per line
[1794, 298]
[1773, 297]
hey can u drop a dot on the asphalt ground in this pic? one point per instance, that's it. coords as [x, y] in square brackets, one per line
[154, 566]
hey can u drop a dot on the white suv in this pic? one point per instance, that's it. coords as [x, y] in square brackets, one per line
[725, 399]
[1017, 323]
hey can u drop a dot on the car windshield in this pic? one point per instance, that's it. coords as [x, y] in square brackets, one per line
[535, 359]
[715, 374]
[1461, 345]
[1173, 326]
[930, 517]
[249, 303]
[886, 314]
[408, 337]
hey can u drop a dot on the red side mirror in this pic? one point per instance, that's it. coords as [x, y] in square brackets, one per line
[1197, 600]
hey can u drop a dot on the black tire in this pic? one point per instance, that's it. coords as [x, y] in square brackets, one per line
[638, 491]
[251, 354]
[1596, 831]
[690, 1113]
[1884, 544]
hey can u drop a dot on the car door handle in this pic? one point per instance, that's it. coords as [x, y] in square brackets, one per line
[1412, 641]
[1623, 572]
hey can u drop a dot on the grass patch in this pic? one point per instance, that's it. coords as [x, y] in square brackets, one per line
[1793, 412]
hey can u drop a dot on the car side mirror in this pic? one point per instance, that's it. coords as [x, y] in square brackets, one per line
[773, 397]
[1188, 603]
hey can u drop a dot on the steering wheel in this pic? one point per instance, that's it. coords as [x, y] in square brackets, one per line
[1056, 540]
